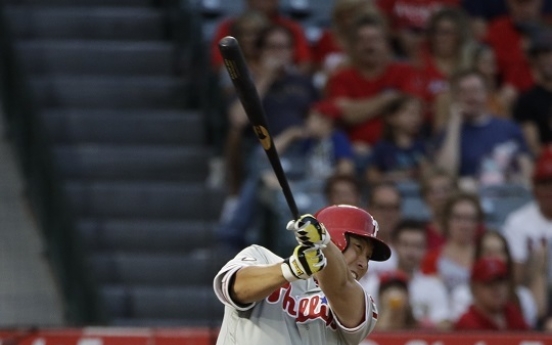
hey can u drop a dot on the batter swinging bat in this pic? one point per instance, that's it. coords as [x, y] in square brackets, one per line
[241, 78]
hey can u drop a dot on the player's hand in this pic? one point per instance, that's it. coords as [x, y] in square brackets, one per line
[303, 263]
[309, 231]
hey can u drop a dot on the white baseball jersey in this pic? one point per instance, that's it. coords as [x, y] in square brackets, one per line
[297, 313]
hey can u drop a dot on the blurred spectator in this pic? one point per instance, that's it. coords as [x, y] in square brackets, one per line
[394, 310]
[342, 189]
[286, 97]
[401, 153]
[363, 90]
[501, 96]
[534, 107]
[437, 185]
[449, 45]
[385, 205]
[491, 308]
[462, 215]
[492, 244]
[477, 146]
[428, 295]
[329, 52]
[314, 151]
[509, 36]
[246, 28]
[268, 8]
[317, 150]
[529, 235]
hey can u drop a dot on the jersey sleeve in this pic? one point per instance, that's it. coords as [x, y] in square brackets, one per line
[357, 334]
[251, 256]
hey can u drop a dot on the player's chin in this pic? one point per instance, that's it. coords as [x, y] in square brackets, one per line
[355, 275]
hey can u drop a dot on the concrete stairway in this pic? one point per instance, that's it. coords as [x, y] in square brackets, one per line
[128, 140]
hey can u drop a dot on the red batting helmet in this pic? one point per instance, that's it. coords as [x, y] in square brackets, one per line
[341, 220]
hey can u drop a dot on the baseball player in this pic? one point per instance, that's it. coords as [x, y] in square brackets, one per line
[312, 297]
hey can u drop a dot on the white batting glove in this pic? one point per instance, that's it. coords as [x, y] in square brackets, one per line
[309, 231]
[303, 263]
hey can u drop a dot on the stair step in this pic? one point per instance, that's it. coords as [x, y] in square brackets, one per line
[75, 3]
[139, 200]
[111, 92]
[111, 23]
[101, 162]
[145, 236]
[96, 57]
[153, 269]
[112, 126]
[190, 305]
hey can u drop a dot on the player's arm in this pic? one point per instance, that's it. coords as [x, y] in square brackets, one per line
[254, 283]
[448, 156]
[344, 293]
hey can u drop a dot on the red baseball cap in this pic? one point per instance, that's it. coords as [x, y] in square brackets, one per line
[327, 108]
[486, 270]
[543, 166]
[393, 277]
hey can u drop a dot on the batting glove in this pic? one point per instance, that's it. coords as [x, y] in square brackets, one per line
[303, 263]
[309, 231]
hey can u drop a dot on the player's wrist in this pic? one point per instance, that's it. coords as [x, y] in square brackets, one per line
[287, 271]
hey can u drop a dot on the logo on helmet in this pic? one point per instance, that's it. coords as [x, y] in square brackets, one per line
[376, 226]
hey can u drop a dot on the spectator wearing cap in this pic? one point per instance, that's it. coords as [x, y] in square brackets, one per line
[394, 309]
[476, 146]
[363, 90]
[492, 244]
[491, 310]
[268, 8]
[529, 234]
[401, 154]
[534, 108]
[428, 296]
[508, 35]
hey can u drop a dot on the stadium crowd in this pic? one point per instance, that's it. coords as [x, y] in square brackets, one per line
[449, 98]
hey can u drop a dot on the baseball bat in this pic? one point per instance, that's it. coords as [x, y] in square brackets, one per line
[249, 97]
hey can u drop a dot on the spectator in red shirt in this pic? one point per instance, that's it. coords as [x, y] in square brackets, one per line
[491, 309]
[269, 8]
[509, 36]
[363, 90]
[329, 52]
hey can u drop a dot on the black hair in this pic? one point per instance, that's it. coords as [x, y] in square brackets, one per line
[408, 224]
[263, 35]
